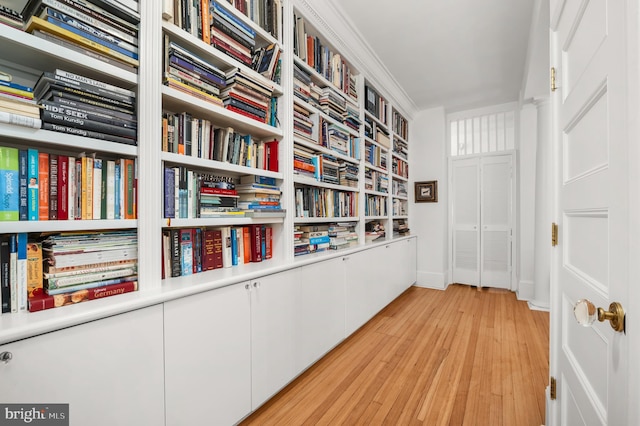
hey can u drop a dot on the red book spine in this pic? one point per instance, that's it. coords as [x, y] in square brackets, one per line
[63, 187]
[217, 249]
[246, 234]
[218, 191]
[269, 243]
[40, 303]
[208, 251]
[256, 243]
[271, 149]
[245, 113]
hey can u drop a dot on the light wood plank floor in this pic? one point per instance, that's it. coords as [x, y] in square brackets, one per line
[454, 357]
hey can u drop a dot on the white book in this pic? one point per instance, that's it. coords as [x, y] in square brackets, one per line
[21, 272]
[20, 120]
[191, 196]
[111, 189]
[13, 272]
[97, 188]
[194, 138]
[226, 246]
[167, 10]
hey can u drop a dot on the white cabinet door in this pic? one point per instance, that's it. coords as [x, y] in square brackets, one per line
[362, 286]
[273, 322]
[207, 357]
[411, 257]
[320, 310]
[109, 371]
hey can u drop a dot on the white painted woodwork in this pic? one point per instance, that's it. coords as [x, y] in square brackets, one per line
[591, 261]
[273, 325]
[207, 351]
[465, 203]
[110, 371]
[320, 311]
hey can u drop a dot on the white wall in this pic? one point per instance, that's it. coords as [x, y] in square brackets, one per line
[428, 161]
[526, 201]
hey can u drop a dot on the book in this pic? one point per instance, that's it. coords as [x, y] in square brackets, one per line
[88, 133]
[43, 186]
[208, 261]
[42, 302]
[88, 285]
[34, 270]
[19, 120]
[23, 180]
[217, 249]
[186, 252]
[21, 271]
[63, 187]
[33, 188]
[5, 285]
[176, 267]
[97, 189]
[9, 184]
[256, 242]
[226, 247]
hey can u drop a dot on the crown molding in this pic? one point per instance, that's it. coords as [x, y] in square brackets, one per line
[337, 28]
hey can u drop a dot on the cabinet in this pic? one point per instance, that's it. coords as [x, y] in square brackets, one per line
[207, 351]
[273, 325]
[110, 371]
[320, 310]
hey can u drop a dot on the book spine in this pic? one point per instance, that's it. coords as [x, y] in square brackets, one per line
[9, 184]
[13, 269]
[43, 186]
[86, 124]
[88, 133]
[53, 186]
[186, 252]
[20, 120]
[106, 117]
[256, 243]
[23, 175]
[97, 188]
[199, 71]
[169, 195]
[72, 189]
[130, 194]
[21, 273]
[5, 286]
[89, 285]
[63, 187]
[55, 301]
[176, 267]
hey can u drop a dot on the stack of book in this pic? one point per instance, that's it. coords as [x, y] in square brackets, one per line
[399, 188]
[400, 228]
[400, 148]
[303, 123]
[17, 105]
[327, 169]
[259, 196]
[217, 199]
[301, 83]
[103, 29]
[348, 174]
[10, 17]
[248, 96]
[376, 181]
[332, 104]
[79, 105]
[342, 235]
[310, 239]
[303, 161]
[352, 118]
[230, 35]
[85, 266]
[190, 74]
[335, 137]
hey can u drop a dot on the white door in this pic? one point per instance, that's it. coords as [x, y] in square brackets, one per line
[495, 219]
[482, 211]
[465, 210]
[588, 46]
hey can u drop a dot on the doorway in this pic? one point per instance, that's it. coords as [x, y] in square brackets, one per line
[482, 212]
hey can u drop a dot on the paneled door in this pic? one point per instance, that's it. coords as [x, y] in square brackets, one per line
[591, 261]
[482, 212]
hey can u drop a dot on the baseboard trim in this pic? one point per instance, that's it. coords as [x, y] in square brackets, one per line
[434, 280]
[526, 290]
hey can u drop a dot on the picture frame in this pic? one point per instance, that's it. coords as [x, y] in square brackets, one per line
[426, 192]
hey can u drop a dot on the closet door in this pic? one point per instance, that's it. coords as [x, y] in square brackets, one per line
[466, 221]
[496, 221]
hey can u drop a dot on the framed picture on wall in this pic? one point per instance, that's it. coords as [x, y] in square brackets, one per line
[426, 192]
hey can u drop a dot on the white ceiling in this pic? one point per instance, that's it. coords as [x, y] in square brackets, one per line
[453, 53]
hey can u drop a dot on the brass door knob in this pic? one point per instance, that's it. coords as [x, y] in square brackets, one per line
[586, 313]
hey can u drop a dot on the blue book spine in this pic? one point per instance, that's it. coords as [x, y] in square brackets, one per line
[16, 86]
[232, 19]
[186, 252]
[319, 240]
[118, 193]
[197, 267]
[23, 175]
[91, 37]
[234, 247]
[185, 65]
[32, 185]
[169, 196]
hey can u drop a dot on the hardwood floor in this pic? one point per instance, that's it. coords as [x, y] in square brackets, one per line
[454, 357]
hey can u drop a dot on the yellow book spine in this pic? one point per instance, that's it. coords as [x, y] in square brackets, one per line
[23, 93]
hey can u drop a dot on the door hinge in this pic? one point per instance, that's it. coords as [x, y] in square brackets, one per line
[554, 234]
[553, 79]
[552, 388]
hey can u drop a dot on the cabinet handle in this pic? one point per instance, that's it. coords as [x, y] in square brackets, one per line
[386, 246]
[256, 284]
[6, 357]
[247, 286]
[345, 258]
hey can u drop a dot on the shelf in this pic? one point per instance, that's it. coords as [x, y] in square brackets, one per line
[195, 162]
[38, 138]
[218, 58]
[299, 220]
[398, 177]
[220, 221]
[376, 168]
[298, 180]
[398, 156]
[401, 197]
[312, 109]
[317, 77]
[35, 55]
[400, 217]
[300, 141]
[378, 193]
[376, 120]
[376, 143]
[176, 101]
[69, 225]
[370, 218]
